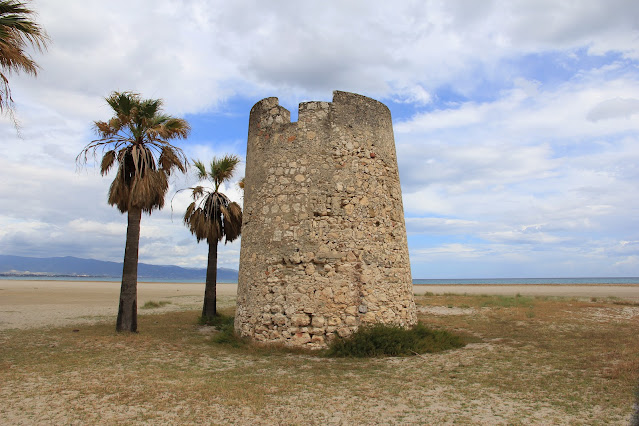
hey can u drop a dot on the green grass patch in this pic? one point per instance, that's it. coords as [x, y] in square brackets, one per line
[507, 301]
[225, 327]
[625, 303]
[152, 304]
[384, 340]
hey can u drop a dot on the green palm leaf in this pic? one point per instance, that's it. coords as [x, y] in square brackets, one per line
[18, 31]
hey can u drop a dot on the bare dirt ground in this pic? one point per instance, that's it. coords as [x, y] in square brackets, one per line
[529, 361]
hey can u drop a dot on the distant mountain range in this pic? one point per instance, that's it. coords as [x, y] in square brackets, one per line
[76, 267]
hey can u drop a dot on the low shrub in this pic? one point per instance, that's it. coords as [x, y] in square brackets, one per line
[634, 420]
[385, 340]
[151, 304]
[508, 301]
[226, 330]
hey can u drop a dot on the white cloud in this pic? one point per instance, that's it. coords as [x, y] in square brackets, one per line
[457, 250]
[516, 121]
[415, 94]
[95, 228]
[437, 225]
[614, 108]
[537, 170]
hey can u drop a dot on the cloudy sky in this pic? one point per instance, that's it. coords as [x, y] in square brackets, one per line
[516, 122]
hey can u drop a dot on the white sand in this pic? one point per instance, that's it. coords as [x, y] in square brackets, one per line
[35, 303]
[38, 303]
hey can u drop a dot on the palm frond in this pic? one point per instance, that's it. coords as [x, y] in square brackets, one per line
[222, 169]
[107, 162]
[149, 109]
[176, 128]
[16, 18]
[103, 129]
[198, 191]
[123, 103]
[148, 192]
[232, 222]
[212, 215]
[18, 30]
[172, 157]
[201, 169]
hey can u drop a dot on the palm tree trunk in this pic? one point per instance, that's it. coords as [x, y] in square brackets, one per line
[209, 310]
[128, 309]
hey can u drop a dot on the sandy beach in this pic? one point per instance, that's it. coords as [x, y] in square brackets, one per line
[39, 303]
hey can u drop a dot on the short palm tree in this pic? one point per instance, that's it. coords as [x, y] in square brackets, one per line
[17, 31]
[212, 216]
[136, 139]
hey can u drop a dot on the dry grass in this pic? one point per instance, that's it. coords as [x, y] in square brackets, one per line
[530, 360]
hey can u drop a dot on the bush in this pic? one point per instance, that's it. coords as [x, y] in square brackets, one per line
[226, 330]
[152, 304]
[634, 420]
[385, 340]
[507, 301]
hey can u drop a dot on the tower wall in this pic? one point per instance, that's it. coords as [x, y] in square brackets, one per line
[324, 246]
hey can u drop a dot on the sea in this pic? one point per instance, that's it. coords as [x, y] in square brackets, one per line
[554, 281]
[103, 279]
[419, 281]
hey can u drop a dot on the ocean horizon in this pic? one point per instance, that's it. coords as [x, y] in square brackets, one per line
[523, 281]
[416, 281]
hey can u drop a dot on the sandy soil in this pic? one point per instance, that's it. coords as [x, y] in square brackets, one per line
[430, 385]
[37, 303]
[28, 304]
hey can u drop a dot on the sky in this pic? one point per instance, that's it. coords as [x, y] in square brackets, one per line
[516, 122]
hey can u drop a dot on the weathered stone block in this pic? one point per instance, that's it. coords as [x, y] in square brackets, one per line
[318, 321]
[279, 319]
[351, 321]
[300, 320]
[369, 318]
[334, 321]
[344, 332]
[301, 338]
[318, 340]
[351, 310]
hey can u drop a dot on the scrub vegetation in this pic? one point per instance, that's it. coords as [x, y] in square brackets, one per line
[571, 362]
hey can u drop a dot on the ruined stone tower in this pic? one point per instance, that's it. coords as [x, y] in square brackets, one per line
[323, 240]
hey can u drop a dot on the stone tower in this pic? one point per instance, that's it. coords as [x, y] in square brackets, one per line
[323, 239]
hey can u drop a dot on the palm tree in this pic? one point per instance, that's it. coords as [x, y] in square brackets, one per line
[17, 30]
[136, 139]
[212, 216]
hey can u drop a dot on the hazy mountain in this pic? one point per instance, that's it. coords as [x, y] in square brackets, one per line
[73, 266]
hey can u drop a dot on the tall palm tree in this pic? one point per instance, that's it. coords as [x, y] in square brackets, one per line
[212, 216]
[136, 139]
[17, 30]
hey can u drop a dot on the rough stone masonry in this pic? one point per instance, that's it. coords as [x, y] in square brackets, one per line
[324, 246]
